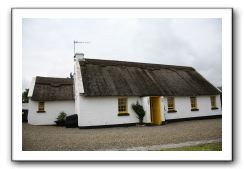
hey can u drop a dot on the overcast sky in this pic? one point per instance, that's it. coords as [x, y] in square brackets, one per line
[48, 44]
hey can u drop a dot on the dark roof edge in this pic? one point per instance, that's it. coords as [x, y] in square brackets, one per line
[149, 96]
[48, 77]
[51, 100]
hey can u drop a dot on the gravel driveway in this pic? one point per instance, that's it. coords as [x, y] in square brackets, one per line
[52, 138]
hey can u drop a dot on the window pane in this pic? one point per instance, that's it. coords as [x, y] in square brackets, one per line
[122, 104]
[193, 102]
[213, 101]
[41, 106]
[170, 103]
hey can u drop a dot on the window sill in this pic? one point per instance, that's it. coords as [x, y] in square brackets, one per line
[123, 114]
[41, 111]
[195, 109]
[172, 111]
[214, 108]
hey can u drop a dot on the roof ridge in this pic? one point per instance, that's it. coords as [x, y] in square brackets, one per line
[132, 64]
[53, 81]
[48, 77]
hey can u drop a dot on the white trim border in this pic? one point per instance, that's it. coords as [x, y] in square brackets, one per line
[19, 155]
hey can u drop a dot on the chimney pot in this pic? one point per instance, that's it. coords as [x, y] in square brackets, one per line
[79, 57]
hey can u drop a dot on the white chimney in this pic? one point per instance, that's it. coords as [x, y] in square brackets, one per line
[79, 57]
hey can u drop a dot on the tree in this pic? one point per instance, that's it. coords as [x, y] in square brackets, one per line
[71, 75]
[25, 98]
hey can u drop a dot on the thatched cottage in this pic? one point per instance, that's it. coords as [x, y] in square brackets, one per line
[48, 97]
[104, 90]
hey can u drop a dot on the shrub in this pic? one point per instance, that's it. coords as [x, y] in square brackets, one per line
[61, 119]
[61, 116]
[140, 112]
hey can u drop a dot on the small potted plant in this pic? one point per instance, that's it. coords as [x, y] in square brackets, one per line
[61, 119]
[140, 112]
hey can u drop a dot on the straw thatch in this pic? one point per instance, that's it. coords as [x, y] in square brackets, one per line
[53, 89]
[117, 78]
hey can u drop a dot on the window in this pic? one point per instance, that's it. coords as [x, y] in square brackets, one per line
[213, 102]
[193, 103]
[171, 104]
[41, 106]
[122, 106]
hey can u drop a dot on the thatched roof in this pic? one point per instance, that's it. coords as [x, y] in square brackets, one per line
[53, 89]
[117, 78]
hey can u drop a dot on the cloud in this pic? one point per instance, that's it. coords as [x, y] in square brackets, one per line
[48, 44]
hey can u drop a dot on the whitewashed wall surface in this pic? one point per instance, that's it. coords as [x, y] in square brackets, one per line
[25, 106]
[95, 111]
[183, 107]
[52, 110]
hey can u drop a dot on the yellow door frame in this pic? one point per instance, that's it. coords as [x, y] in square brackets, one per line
[155, 110]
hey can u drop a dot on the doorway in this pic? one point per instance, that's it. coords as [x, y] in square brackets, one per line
[155, 109]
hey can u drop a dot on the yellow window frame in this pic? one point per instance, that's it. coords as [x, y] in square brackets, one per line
[41, 106]
[123, 105]
[171, 103]
[193, 102]
[213, 101]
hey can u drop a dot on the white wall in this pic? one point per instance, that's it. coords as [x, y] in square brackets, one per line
[52, 108]
[78, 86]
[183, 107]
[78, 78]
[25, 106]
[146, 105]
[95, 111]
[31, 88]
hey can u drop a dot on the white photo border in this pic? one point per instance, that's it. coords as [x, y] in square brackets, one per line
[19, 13]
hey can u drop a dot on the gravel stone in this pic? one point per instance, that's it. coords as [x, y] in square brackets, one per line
[53, 138]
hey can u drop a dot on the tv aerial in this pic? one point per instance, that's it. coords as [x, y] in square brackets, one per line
[79, 42]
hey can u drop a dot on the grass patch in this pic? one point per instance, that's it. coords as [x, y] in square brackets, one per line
[201, 147]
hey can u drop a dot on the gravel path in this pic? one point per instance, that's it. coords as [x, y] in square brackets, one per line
[52, 138]
[166, 146]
